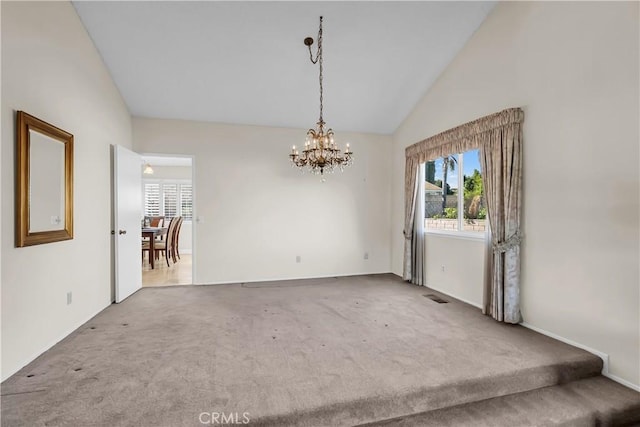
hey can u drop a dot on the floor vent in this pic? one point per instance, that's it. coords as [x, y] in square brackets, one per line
[435, 298]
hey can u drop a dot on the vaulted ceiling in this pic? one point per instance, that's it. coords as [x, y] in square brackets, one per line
[244, 62]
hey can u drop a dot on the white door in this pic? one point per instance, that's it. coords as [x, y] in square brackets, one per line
[127, 197]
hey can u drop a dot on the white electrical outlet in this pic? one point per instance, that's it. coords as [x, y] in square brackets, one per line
[298, 258]
[69, 297]
[443, 268]
[366, 255]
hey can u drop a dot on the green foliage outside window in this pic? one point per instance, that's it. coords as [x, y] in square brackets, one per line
[451, 213]
[473, 192]
[473, 185]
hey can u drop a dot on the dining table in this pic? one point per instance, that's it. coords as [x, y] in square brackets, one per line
[151, 233]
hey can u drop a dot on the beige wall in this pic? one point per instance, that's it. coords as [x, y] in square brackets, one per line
[257, 213]
[454, 265]
[51, 70]
[573, 68]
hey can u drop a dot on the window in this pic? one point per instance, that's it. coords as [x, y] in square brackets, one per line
[168, 199]
[454, 194]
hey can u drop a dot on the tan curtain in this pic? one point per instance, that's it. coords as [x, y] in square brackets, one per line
[417, 239]
[499, 136]
[501, 162]
[411, 190]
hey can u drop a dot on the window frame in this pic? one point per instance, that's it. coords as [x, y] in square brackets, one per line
[460, 233]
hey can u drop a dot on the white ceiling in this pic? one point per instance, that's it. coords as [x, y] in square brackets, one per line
[244, 62]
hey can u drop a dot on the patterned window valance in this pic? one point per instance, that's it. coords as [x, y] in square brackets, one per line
[468, 136]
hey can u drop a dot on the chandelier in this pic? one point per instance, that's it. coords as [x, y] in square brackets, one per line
[320, 154]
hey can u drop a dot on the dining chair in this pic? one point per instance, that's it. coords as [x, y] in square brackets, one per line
[156, 221]
[166, 247]
[176, 240]
[146, 247]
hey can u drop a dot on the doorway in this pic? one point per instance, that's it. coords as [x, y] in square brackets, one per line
[168, 206]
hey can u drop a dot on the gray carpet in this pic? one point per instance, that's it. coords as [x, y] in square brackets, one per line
[595, 401]
[322, 352]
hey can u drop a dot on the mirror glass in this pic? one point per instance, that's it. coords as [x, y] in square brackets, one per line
[46, 183]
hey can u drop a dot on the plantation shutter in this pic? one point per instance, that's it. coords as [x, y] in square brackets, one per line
[170, 193]
[152, 199]
[186, 201]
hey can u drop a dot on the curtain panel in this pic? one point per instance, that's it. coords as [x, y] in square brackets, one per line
[501, 162]
[417, 250]
[411, 190]
[499, 138]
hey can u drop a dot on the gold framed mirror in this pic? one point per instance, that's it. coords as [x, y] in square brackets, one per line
[44, 182]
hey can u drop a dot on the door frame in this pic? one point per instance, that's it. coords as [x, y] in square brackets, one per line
[194, 190]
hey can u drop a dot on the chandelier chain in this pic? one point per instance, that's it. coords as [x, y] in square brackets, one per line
[320, 61]
[320, 153]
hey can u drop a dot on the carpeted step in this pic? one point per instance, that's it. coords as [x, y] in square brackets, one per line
[383, 406]
[595, 401]
[342, 353]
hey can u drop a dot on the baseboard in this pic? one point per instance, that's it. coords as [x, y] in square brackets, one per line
[624, 382]
[466, 301]
[227, 282]
[601, 355]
